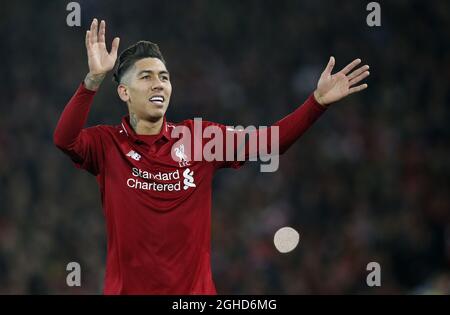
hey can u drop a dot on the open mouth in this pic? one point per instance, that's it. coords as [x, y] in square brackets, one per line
[159, 100]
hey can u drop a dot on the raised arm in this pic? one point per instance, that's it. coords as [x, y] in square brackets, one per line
[330, 89]
[69, 134]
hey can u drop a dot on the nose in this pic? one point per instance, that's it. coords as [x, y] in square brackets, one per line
[157, 85]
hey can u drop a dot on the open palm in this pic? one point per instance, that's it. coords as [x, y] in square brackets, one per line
[333, 87]
[99, 60]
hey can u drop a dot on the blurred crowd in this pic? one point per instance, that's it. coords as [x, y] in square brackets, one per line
[369, 182]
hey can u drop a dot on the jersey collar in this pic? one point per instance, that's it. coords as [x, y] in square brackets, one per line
[129, 131]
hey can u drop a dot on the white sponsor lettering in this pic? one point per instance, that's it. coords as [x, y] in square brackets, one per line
[152, 181]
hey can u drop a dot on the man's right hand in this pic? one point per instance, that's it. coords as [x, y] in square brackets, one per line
[99, 60]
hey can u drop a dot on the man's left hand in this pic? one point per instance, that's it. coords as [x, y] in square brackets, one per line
[333, 87]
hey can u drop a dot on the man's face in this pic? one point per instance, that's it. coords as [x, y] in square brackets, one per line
[147, 89]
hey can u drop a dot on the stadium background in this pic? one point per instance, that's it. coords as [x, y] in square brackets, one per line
[369, 182]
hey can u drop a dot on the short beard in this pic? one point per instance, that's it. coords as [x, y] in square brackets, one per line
[153, 119]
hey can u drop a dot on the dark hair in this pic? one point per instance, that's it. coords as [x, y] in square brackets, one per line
[128, 57]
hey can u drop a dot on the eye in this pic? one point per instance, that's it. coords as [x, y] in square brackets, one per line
[165, 78]
[145, 77]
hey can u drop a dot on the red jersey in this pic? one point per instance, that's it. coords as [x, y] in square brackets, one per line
[157, 209]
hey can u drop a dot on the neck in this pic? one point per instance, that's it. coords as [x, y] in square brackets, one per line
[145, 127]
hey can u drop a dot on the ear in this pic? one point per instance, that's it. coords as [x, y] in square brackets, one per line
[122, 90]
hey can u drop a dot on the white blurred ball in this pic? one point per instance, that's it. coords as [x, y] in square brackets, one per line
[286, 239]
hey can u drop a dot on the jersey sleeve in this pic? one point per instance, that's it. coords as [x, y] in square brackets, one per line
[83, 145]
[88, 150]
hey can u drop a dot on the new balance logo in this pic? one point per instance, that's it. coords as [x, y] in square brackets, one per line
[134, 155]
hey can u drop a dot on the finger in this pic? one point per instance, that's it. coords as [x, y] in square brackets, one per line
[357, 72]
[357, 88]
[359, 78]
[101, 32]
[91, 32]
[350, 66]
[115, 47]
[87, 39]
[329, 66]
[94, 31]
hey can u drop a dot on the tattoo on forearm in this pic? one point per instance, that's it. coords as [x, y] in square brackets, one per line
[133, 121]
[92, 82]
